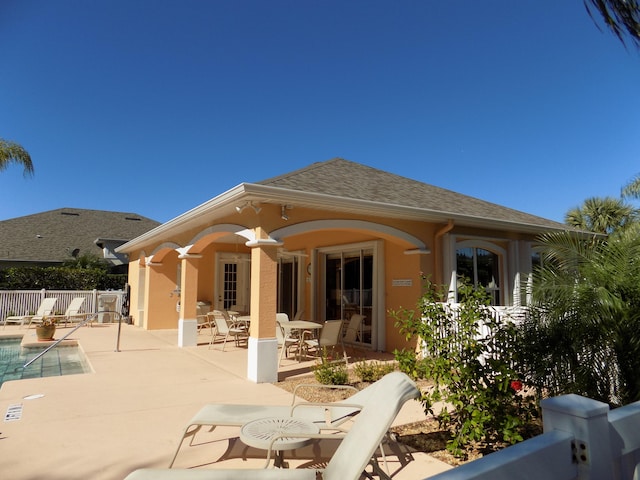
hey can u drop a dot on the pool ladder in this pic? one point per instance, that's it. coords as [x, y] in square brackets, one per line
[81, 324]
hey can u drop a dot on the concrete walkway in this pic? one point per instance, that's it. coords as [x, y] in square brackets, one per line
[131, 411]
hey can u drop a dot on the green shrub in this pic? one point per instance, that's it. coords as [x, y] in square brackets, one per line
[329, 371]
[473, 373]
[372, 371]
[59, 278]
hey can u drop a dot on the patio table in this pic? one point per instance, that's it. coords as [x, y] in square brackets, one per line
[301, 326]
[260, 433]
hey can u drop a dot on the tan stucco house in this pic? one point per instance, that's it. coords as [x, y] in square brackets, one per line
[324, 242]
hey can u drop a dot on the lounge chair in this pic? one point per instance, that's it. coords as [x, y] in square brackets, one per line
[45, 309]
[72, 313]
[350, 459]
[328, 416]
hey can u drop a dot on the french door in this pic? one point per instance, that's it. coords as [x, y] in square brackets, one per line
[233, 281]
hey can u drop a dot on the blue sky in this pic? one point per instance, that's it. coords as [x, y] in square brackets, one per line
[154, 107]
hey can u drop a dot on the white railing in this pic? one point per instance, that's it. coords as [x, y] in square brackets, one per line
[26, 302]
[582, 440]
[499, 314]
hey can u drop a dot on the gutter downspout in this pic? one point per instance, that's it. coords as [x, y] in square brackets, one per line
[437, 255]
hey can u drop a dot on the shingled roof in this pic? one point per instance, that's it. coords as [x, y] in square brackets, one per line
[57, 235]
[342, 178]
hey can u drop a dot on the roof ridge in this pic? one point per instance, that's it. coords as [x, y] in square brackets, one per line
[306, 169]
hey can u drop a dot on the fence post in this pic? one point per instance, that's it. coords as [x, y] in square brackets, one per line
[95, 300]
[587, 421]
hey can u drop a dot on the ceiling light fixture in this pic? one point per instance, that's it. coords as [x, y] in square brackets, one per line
[283, 213]
[256, 208]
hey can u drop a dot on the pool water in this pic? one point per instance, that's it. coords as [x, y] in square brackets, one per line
[62, 360]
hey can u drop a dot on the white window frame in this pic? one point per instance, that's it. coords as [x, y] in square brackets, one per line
[486, 244]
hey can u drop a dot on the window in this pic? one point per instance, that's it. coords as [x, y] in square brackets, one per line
[481, 267]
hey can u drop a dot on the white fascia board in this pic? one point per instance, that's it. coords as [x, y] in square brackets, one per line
[267, 194]
[188, 219]
[367, 207]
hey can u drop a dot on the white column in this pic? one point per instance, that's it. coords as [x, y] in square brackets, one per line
[187, 332]
[260, 365]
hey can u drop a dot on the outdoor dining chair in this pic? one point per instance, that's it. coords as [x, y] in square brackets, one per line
[204, 322]
[353, 329]
[284, 336]
[226, 329]
[330, 337]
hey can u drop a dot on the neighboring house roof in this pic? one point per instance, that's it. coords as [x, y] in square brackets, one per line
[58, 235]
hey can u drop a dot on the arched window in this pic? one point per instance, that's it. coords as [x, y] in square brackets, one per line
[481, 267]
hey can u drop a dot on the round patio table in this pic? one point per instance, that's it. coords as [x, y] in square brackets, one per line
[261, 432]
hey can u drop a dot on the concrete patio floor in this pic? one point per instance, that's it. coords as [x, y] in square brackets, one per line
[131, 411]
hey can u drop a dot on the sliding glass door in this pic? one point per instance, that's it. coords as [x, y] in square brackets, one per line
[349, 287]
[289, 289]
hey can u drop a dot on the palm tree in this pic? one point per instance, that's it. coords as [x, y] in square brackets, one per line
[601, 215]
[622, 17]
[584, 334]
[13, 152]
[632, 189]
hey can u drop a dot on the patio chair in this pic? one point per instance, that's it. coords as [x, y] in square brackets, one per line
[330, 337]
[226, 329]
[355, 452]
[285, 339]
[353, 329]
[204, 322]
[72, 313]
[45, 309]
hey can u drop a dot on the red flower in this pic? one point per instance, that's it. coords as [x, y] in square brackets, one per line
[516, 385]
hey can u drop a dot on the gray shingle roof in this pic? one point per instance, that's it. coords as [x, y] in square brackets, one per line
[51, 236]
[342, 178]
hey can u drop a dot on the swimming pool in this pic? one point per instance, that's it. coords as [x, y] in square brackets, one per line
[62, 360]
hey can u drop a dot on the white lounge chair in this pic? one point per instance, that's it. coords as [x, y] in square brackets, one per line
[328, 416]
[350, 459]
[45, 309]
[72, 313]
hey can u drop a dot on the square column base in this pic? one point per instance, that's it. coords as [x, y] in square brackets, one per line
[262, 360]
[187, 333]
